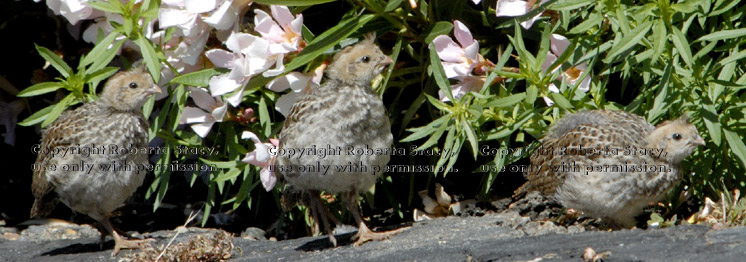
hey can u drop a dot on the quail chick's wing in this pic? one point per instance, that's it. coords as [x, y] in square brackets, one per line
[65, 131]
[580, 139]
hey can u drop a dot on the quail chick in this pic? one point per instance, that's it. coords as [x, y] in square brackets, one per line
[610, 164]
[93, 158]
[343, 113]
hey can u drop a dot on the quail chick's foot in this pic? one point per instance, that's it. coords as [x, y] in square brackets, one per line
[122, 243]
[364, 234]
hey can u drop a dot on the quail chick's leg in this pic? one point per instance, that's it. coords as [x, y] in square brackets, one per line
[364, 234]
[319, 209]
[122, 243]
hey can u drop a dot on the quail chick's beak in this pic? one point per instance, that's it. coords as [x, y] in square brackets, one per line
[154, 90]
[698, 141]
[386, 61]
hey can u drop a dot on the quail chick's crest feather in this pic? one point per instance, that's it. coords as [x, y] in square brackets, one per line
[583, 162]
[95, 135]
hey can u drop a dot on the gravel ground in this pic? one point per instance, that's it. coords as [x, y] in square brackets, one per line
[504, 236]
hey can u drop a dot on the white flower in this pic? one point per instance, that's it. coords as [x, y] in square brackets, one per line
[249, 57]
[261, 157]
[513, 8]
[465, 85]
[283, 33]
[558, 45]
[299, 83]
[458, 59]
[209, 111]
[73, 10]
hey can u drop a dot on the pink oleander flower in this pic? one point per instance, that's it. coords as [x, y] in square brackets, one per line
[459, 59]
[248, 58]
[209, 111]
[513, 8]
[283, 33]
[465, 85]
[262, 158]
[299, 83]
[558, 45]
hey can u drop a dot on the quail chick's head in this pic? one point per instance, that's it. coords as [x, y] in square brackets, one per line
[128, 90]
[359, 64]
[677, 138]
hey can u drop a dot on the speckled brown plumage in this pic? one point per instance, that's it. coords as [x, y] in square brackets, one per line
[93, 135]
[343, 112]
[592, 161]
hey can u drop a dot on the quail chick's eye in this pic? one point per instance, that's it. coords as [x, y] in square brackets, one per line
[133, 85]
[676, 136]
[365, 59]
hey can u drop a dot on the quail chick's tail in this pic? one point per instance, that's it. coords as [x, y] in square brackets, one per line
[521, 191]
[43, 206]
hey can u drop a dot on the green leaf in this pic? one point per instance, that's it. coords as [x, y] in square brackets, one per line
[293, 2]
[107, 56]
[471, 136]
[724, 34]
[659, 40]
[439, 28]
[37, 117]
[55, 61]
[679, 40]
[149, 57]
[105, 6]
[99, 50]
[100, 74]
[40, 88]
[628, 41]
[392, 5]
[712, 122]
[560, 100]
[736, 145]
[58, 109]
[507, 101]
[327, 40]
[439, 74]
[661, 99]
[199, 78]
[561, 5]
[420, 132]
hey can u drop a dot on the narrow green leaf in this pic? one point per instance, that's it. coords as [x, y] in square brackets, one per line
[628, 41]
[439, 74]
[736, 145]
[55, 61]
[104, 6]
[659, 39]
[37, 117]
[392, 5]
[101, 47]
[507, 101]
[327, 40]
[200, 78]
[679, 40]
[40, 88]
[293, 2]
[150, 57]
[723, 35]
[712, 122]
[560, 100]
[562, 5]
[661, 99]
[420, 132]
[107, 56]
[58, 109]
[101, 74]
[439, 28]
[471, 136]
